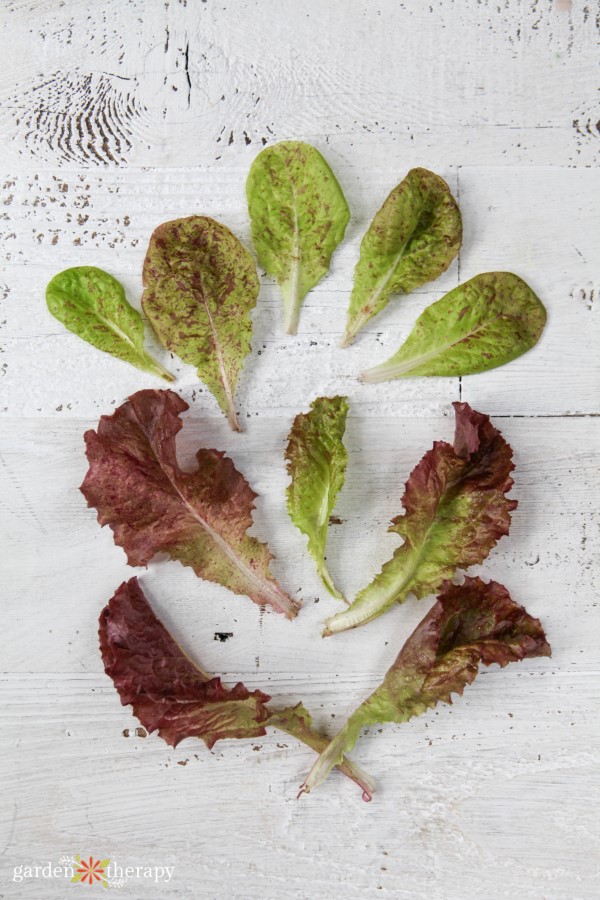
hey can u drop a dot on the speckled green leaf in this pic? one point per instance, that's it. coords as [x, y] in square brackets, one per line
[299, 216]
[92, 304]
[316, 460]
[471, 623]
[412, 239]
[482, 324]
[200, 286]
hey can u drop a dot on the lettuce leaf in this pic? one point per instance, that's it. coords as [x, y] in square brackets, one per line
[200, 286]
[92, 304]
[470, 624]
[200, 518]
[316, 460]
[456, 510]
[299, 215]
[480, 325]
[173, 696]
[412, 239]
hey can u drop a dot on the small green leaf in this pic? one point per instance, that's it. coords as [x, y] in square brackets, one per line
[200, 286]
[412, 239]
[316, 460]
[92, 304]
[299, 215]
[484, 323]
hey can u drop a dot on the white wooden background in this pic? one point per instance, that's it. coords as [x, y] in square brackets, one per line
[119, 115]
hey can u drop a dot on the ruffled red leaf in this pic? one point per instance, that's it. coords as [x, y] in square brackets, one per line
[199, 518]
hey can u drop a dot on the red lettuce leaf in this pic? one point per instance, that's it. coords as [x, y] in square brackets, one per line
[172, 695]
[199, 518]
[455, 511]
[471, 623]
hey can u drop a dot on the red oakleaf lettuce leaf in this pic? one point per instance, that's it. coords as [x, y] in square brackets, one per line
[172, 695]
[199, 518]
[470, 624]
[456, 510]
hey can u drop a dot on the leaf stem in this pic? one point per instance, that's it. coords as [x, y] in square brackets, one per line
[155, 368]
[329, 584]
[299, 729]
[351, 331]
[292, 303]
[325, 763]
[232, 415]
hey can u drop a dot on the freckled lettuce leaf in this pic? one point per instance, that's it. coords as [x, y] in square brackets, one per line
[456, 510]
[484, 323]
[92, 304]
[200, 286]
[470, 624]
[316, 460]
[199, 518]
[299, 216]
[172, 695]
[412, 239]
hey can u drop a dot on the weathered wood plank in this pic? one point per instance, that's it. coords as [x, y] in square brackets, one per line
[117, 116]
[177, 83]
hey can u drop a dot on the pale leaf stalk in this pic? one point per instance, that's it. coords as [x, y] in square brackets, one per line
[292, 301]
[151, 365]
[378, 599]
[329, 584]
[320, 744]
[350, 333]
[332, 755]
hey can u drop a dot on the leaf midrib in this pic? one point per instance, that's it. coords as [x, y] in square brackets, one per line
[263, 587]
[415, 361]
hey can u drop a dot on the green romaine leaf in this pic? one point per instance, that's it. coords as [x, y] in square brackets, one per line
[201, 519]
[412, 239]
[172, 695]
[456, 510]
[484, 323]
[200, 286]
[299, 215]
[92, 304]
[470, 623]
[316, 460]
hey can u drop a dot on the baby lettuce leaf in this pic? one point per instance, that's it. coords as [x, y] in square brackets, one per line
[456, 510]
[484, 323]
[200, 286]
[92, 304]
[470, 624]
[412, 239]
[172, 695]
[316, 460]
[200, 518]
[299, 215]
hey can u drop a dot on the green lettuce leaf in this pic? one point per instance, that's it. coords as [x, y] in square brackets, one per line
[174, 696]
[456, 510]
[316, 460]
[299, 215]
[200, 286]
[412, 239]
[470, 624]
[92, 304]
[484, 323]
[199, 518]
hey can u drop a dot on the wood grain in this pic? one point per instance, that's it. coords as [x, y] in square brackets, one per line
[115, 117]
